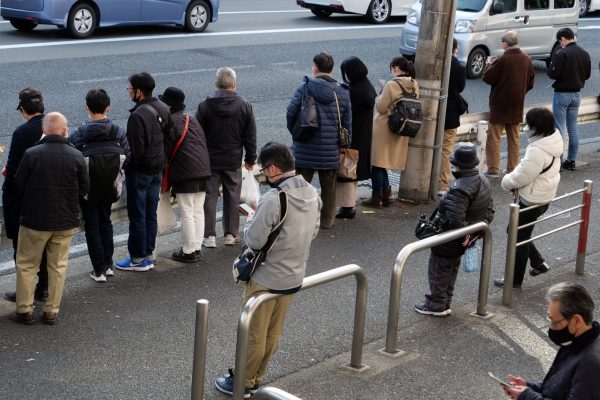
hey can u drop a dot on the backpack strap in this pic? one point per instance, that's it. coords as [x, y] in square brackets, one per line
[150, 107]
[404, 91]
[548, 167]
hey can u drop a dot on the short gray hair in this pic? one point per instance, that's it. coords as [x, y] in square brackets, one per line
[54, 124]
[573, 299]
[510, 38]
[225, 78]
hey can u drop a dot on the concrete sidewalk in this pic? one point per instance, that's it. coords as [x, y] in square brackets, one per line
[132, 338]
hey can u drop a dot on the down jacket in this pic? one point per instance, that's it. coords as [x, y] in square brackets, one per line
[322, 151]
[535, 187]
[468, 200]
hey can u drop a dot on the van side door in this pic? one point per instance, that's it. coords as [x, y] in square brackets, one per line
[537, 35]
[502, 18]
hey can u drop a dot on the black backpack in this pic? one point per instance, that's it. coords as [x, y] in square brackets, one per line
[407, 117]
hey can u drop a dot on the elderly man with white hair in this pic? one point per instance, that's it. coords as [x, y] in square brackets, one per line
[51, 178]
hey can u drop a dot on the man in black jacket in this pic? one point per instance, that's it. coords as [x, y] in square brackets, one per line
[229, 126]
[467, 201]
[148, 124]
[51, 178]
[570, 68]
[574, 371]
[31, 107]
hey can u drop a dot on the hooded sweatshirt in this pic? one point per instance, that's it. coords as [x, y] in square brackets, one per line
[535, 187]
[285, 266]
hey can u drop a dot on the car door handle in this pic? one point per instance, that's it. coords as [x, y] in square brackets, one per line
[524, 19]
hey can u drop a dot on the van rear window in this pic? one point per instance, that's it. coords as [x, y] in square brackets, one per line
[564, 3]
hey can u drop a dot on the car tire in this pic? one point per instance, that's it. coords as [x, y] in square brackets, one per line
[197, 16]
[82, 20]
[379, 11]
[23, 25]
[584, 8]
[476, 63]
[320, 13]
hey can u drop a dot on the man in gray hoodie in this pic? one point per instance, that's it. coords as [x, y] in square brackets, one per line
[284, 269]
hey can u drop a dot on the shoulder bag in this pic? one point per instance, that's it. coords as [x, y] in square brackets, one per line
[343, 134]
[165, 185]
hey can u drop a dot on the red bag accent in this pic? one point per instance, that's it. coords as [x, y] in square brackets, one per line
[165, 185]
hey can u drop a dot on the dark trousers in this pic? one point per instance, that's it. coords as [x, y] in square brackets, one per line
[379, 180]
[142, 202]
[98, 234]
[231, 180]
[327, 181]
[442, 275]
[527, 251]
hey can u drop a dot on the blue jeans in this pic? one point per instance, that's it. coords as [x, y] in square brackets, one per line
[565, 107]
[142, 202]
[379, 179]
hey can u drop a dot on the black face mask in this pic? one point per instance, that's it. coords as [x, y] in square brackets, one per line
[561, 337]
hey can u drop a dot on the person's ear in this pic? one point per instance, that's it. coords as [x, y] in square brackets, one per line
[107, 110]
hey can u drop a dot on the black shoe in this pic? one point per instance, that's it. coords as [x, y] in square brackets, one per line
[346, 212]
[540, 269]
[184, 257]
[569, 165]
[500, 283]
[10, 296]
[40, 296]
[423, 309]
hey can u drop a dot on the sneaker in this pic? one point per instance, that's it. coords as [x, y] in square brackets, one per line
[422, 309]
[225, 385]
[210, 242]
[184, 257]
[255, 388]
[109, 272]
[500, 283]
[231, 240]
[568, 165]
[441, 193]
[540, 269]
[490, 174]
[98, 278]
[128, 265]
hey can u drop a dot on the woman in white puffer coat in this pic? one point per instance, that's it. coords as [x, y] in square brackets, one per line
[536, 179]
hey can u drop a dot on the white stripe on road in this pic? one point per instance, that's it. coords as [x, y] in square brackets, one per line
[262, 12]
[584, 28]
[194, 35]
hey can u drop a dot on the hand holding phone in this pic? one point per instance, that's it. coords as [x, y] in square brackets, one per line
[502, 382]
[246, 210]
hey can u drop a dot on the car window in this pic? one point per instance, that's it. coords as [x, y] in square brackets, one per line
[510, 6]
[470, 5]
[536, 4]
[564, 3]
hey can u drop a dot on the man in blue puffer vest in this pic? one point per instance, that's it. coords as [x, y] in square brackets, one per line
[321, 152]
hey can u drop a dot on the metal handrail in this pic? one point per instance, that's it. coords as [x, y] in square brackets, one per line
[513, 228]
[271, 393]
[200, 341]
[394, 305]
[360, 309]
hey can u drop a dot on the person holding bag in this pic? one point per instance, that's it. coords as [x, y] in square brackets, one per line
[187, 173]
[362, 100]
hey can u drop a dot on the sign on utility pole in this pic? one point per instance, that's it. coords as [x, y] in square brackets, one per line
[432, 62]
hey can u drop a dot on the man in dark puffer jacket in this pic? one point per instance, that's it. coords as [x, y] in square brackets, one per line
[467, 201]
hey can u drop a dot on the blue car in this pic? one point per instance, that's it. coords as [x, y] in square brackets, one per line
[81, 17]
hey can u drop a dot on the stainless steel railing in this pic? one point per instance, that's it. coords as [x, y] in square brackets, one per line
[271, 393]
[200, 342]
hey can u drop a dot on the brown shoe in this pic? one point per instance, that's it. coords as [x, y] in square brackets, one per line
[49, 318]
[386, 197]
[373, 202]
[25, 318]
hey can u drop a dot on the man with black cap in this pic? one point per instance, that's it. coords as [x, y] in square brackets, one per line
[467, 201]
[31, 107]
[187, 174]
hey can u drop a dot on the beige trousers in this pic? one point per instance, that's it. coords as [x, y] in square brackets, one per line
[30, 247]
[345, 194]
[447, 148]
[492, 151]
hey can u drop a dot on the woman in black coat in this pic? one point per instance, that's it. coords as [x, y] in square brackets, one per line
[362, 99]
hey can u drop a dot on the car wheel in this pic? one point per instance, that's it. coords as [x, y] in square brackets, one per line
[82, 21]
[379, 11]
[320, 13]
[23, 24]
[197, 16]
[584, 7]
[549, 59]
[475, 63]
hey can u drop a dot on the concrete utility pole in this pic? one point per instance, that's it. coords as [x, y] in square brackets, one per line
[419, 182]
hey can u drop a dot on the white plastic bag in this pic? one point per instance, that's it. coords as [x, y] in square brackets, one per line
[164, 214]
[250, 190]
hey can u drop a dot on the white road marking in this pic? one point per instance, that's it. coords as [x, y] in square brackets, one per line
[583, 28]
[262, 12]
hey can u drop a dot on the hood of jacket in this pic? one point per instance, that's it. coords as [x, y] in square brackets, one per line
[224, 103]
[301, 195]
[551, 144]
[321, 88]
[96, 131]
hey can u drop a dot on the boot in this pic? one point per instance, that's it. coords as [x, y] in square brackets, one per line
[346, 213]
[386, 197]
[373, 202]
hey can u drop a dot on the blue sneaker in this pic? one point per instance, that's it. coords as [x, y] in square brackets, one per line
[128, 265]
[225, 385]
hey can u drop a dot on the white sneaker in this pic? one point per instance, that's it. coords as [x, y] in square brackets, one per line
[210, 242]
[98, 278]
[109, 272]
[231, 240]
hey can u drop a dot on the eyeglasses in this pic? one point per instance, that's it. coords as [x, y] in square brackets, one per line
[554, 323]
[263, 168]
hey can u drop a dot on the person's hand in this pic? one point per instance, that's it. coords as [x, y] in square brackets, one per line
[342, 150]
[513, 391]
[248, 166]
[516, 380]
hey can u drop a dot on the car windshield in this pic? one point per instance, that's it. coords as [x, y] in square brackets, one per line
[470, 5]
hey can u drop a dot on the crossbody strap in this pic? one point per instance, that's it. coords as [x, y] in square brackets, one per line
[178, 144]
[548, 167]
[275, 232]
[337, 105]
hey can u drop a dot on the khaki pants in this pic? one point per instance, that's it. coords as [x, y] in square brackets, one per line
[345, 194]
[447, 148]
[29, 253]
[265, 331]
[492, 151]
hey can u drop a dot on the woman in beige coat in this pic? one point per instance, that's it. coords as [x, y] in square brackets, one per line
[388, 149]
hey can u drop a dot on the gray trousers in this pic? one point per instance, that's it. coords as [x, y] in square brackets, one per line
[442, 276]
[231, 179]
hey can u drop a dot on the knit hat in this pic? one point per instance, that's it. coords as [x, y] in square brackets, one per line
[174, 98]
[465, 156]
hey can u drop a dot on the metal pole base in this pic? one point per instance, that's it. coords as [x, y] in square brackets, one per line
[484, 317]
[397, 354]
[349, 367]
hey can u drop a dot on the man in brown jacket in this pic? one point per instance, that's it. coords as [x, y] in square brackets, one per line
[511, 77]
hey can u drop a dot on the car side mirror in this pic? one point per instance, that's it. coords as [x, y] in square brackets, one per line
[497, 8]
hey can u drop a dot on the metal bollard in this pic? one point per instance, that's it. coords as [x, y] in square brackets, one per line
[200, 341]
[482, 129]
[511, 250]
[583, 228]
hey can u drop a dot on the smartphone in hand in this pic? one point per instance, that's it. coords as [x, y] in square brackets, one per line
[502, 382]
[245, 209]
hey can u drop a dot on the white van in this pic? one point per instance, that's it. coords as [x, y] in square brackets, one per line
[376, 11]
[480, 24]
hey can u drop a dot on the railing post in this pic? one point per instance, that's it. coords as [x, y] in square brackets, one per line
[511, 250]
[200, 341]
[391, 337]
[484, 275]
[583, 228]
[360, 311]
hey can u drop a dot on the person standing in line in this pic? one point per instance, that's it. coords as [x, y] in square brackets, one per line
[147, 126]
[570, 68]
[51, 178]
[31, 108]
[189, 172]
[362, 100]
[321, 152]
[230, 129]
[389, 150]
[510, 76]
[536, 179]
[106, 150]
[456, 84]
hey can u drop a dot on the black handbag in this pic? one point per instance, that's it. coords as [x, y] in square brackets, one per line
[428, 227]
[306, 122]
[407, 116]
[463, 105]
[247, 262]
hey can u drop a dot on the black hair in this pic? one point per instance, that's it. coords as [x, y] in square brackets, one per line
[541, 121]
[97, 100]
[405, 65]
[275, 153]
[454, 44]
[324, 62]
[31, 101]
[573, 299]
[353, 70]
[566, 33]
[144, 82]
